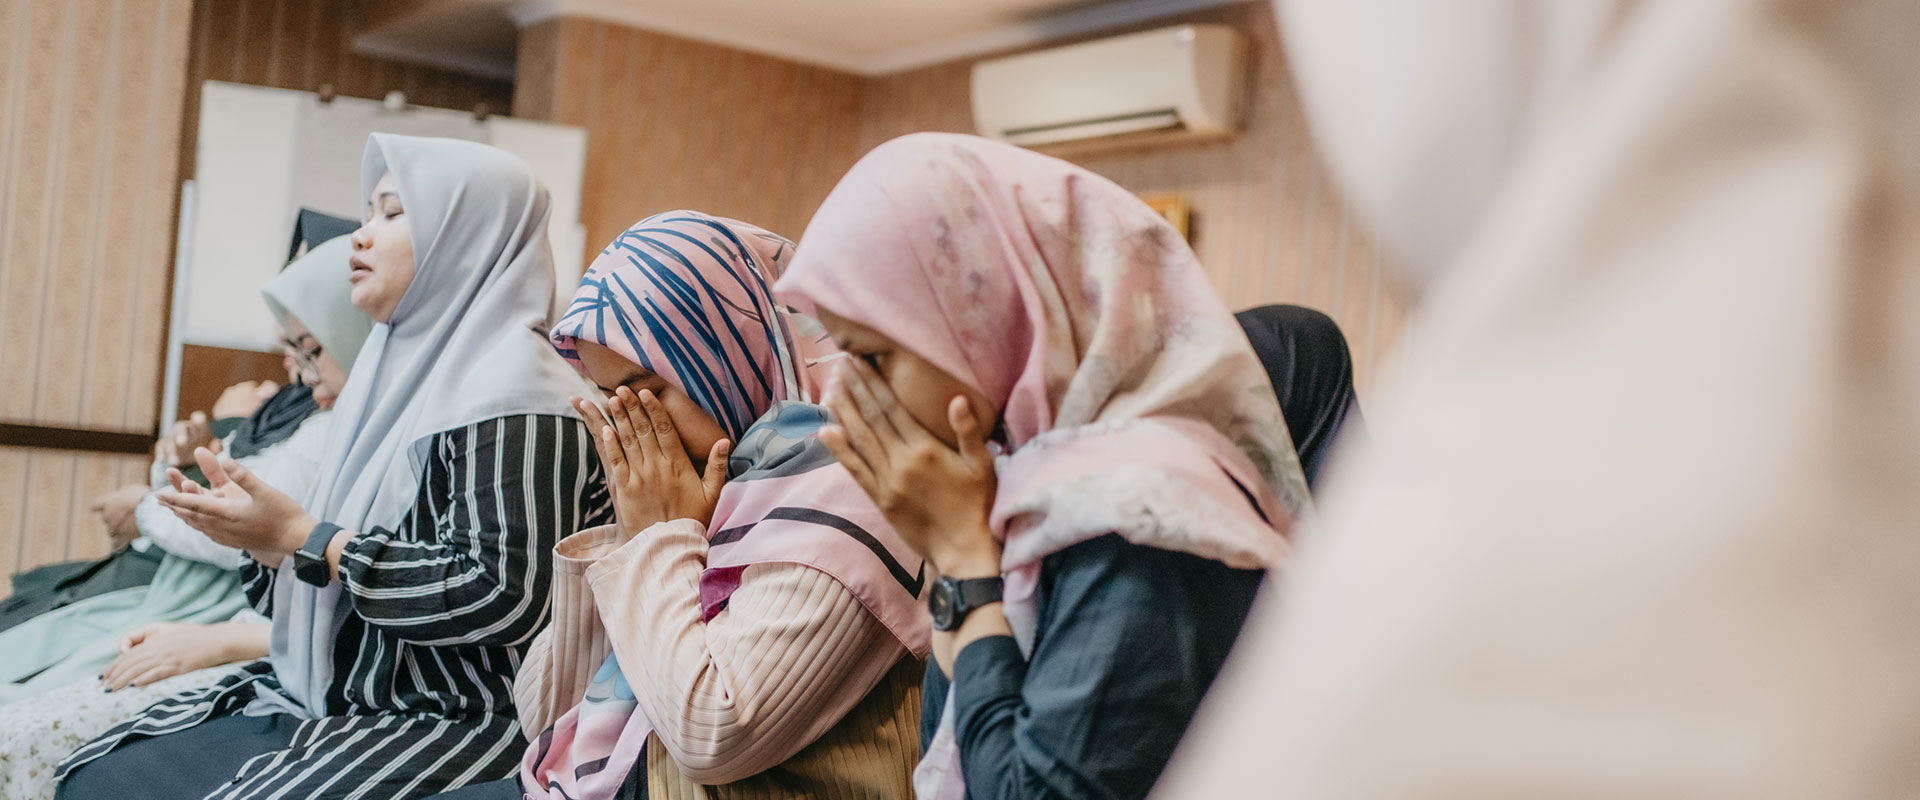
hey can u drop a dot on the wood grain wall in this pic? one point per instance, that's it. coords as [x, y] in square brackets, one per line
[1267, 224]
[99, 104]
[90, 112]
[673, 123]
[305, 45]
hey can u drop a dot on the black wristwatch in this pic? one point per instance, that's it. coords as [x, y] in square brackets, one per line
[951, 599]
[310, 561]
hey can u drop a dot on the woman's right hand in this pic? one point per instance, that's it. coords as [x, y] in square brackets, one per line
[175, 448]
[648, 471]
[164, 649]
[244, 398]
[116, 510]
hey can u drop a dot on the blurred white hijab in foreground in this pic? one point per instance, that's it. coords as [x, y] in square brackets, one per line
[1641, 516]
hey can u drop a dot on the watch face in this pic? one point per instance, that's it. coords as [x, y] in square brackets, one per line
[311, 570]
[940, 605]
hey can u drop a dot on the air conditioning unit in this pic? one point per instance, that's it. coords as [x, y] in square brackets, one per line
[1188, 77]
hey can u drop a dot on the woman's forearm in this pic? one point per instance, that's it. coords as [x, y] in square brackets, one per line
[792, 653]
[244, 641]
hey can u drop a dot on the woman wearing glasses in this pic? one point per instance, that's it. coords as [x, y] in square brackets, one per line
[148, 642]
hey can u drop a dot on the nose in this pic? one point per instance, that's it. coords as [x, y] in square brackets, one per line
[362, 239]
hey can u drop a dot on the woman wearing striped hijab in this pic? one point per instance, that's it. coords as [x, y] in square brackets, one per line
[750, 626]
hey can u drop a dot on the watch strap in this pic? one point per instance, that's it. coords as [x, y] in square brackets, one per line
[319, 540]
[976, 592]
[310, 561]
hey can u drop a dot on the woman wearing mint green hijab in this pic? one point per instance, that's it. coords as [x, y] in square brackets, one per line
[173, 634]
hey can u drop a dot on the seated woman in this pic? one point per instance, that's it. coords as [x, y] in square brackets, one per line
[175, 651]
[253, 415]
[756, 628]
[404, 589]
[198, 580]
[1307, 360]
[1090, 587]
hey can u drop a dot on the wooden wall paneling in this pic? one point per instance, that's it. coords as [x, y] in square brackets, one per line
[63, 258]
[746, 81]
[773, 177]
[45, 499]
[674, 123]
[102, 307]
[30, 171]
[13, 507]
[205, 372]
[717, 97]
[89, 104]
[51, 481]
[165, 77]
[536, 63]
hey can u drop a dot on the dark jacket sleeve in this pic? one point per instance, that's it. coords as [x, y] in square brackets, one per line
[470, 564]
[1128, 640]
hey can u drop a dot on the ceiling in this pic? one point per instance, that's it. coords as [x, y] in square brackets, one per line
[869, 37]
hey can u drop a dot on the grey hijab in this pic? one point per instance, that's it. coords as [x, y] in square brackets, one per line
[466, 343]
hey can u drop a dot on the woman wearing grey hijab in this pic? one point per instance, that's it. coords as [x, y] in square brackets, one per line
[404, 588]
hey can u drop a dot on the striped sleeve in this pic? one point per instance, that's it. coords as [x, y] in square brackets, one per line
[791, 655]
[469, 565]
[257, 581]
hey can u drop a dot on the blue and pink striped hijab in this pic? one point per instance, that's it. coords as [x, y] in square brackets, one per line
[687, 297]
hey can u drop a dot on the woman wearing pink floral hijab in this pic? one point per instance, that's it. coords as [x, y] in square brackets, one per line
[1093, 580]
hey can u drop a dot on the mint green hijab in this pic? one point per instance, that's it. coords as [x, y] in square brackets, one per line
[314, 288]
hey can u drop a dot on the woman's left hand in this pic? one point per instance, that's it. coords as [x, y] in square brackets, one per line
[237, 509]
[648, 471]
[161, 650]
[937, 497]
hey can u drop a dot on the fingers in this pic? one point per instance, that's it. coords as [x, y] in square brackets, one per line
[183, 484]
[156, 671]
[716, 475]
[206, 507]
[122, 670]
[859, 438]
[623, 408]
[665, 436]
[896, 414]
[835, 438]
[241, 476]
[210, 466]
[972, 436]
[602, 430]
[590, 411]
[853, 382]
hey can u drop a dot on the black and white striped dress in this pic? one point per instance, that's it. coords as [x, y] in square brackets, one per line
[421, 701]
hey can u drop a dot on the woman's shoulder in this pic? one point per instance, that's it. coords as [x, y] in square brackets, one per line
[1111, 563]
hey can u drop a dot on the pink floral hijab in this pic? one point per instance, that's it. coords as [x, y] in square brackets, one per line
[1131, 401]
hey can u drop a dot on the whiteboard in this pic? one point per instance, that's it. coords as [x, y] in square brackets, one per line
[264, 153]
